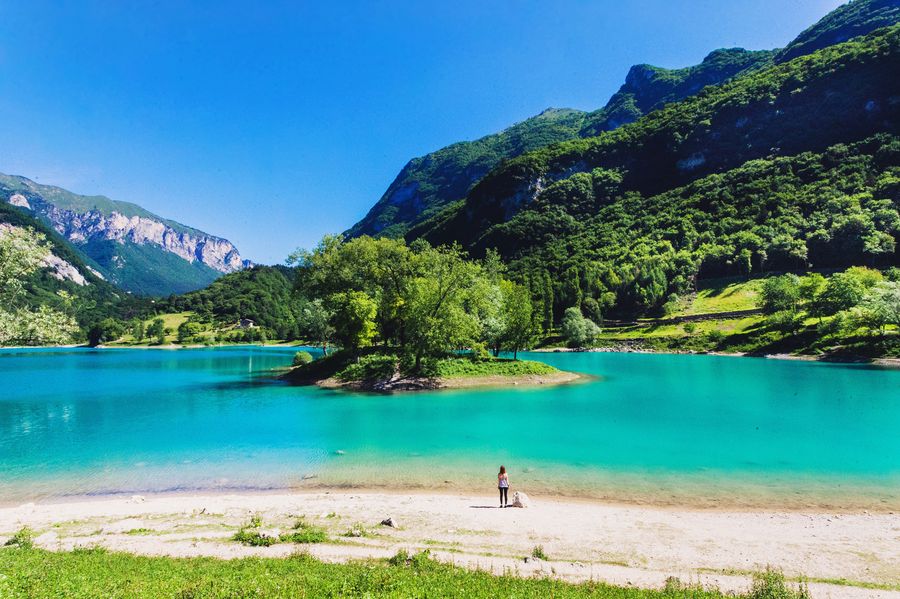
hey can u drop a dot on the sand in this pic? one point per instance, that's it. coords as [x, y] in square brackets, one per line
[619, 544]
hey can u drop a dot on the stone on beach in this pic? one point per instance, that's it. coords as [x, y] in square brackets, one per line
[389, 521]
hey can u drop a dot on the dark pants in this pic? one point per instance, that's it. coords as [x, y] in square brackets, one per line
[504, 492]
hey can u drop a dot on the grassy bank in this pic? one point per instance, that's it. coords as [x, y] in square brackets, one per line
[720, 317]
[28, 572]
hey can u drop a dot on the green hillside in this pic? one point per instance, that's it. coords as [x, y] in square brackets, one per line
[436, 180]
[648, 88]
[427, 184]
[90, 303]
[149, 270]
[857, 17]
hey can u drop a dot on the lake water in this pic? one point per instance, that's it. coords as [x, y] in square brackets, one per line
[658, 428]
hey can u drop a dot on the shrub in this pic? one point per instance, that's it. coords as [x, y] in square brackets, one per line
[23, 539]
[771, 585]
[254, 538]
[304, 533]
[302, 357]
[786, 321]
[689, 328]
[369, 368]
[538, 552]
[715, 337]
[578, 330]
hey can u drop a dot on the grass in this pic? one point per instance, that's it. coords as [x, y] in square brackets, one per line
[723, 295]
[139, 532]
[465, 367]
[90, 573]
[302, 532]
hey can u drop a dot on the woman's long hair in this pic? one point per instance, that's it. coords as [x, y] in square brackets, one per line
[502, 469]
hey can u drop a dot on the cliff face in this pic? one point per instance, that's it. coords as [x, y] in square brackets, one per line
[219, 254]
[131, 247]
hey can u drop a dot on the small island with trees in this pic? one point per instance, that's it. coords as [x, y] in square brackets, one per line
[410, 317]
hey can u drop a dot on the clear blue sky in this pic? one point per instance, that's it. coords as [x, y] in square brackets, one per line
[273, 123]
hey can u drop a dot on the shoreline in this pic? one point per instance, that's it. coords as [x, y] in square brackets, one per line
[886, 362]
[863, 361]
[412, 384]
[584, 540]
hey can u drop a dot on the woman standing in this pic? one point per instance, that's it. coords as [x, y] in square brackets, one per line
[503, 485]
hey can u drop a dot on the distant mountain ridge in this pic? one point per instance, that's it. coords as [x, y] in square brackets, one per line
[428, 184]
[127, 245]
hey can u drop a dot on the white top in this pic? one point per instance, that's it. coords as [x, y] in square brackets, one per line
[503, 481]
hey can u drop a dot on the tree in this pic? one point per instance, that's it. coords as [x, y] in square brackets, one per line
[157, 331]
[844, 290]
[315, 324]
[108, 329]
[22, 251]
[882, 305]
[354, 319]
[137, 329]
[578, 330]
[518, 331]
[439, 315]
[780, 294]
[188, 331]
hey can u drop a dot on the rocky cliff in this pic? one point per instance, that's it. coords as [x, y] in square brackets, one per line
[132, 247]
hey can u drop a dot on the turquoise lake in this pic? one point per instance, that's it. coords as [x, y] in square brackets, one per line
[658, 428]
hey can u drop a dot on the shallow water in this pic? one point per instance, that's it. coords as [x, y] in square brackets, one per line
[659, 428]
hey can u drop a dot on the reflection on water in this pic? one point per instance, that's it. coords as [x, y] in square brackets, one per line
[654, 427]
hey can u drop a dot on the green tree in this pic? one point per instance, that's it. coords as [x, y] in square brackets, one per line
[315, 324]
[108, 329]
[188, 331]
[354, 319]
[578, 330]
[137, 329]
[157, 331]
[22, 251]
[780, 294]
[882, 304]
[844, 290]
[519, 330]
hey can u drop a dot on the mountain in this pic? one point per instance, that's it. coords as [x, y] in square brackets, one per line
[427, 184]
[838, 94]
[90, 297]
[648, 88]
[431, 182]
[534, 208]
[127, 245]
[855, 18]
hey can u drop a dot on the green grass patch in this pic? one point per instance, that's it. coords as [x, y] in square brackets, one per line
[43, 574]
[723, 295]
[304, 532]
[465, 367]
[139, 532]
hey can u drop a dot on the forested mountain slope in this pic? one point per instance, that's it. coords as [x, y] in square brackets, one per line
[857, 17]
[264, 294]
[841, 94]
[431, 182]
[87, 297]
[428, 183]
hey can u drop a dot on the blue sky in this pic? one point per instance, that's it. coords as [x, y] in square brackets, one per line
[274, 123]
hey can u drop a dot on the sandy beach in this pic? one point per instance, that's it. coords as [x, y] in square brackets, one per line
[616, 543]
